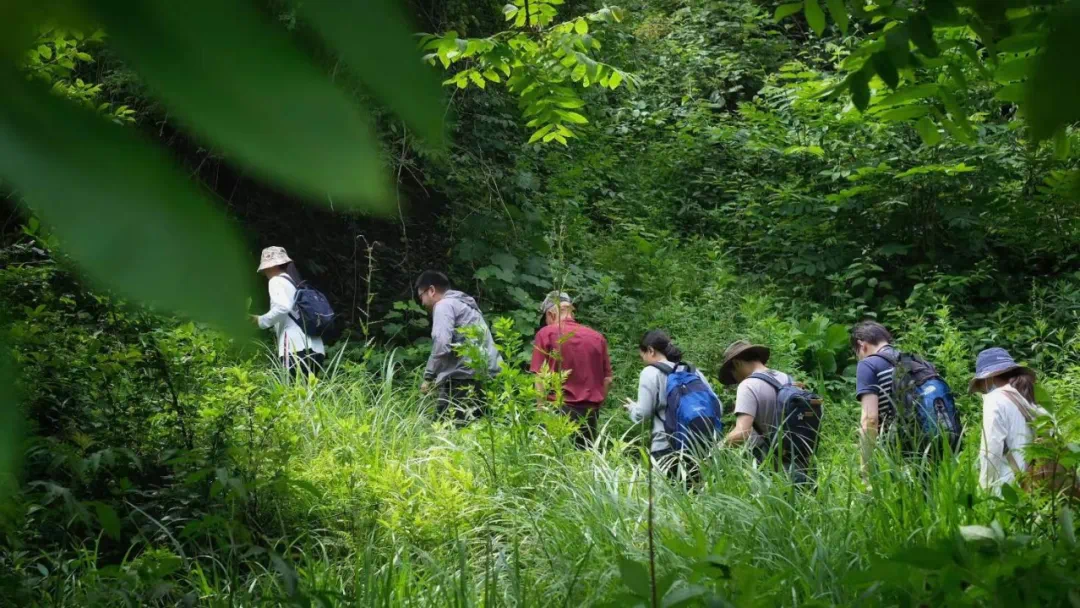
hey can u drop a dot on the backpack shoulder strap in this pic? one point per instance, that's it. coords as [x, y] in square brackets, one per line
[768, 379]
[888, 358]
[664, 368]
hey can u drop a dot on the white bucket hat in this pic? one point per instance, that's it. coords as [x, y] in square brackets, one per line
[273, 256]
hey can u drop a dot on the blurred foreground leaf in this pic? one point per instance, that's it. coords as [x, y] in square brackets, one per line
[374, 38]
[119, 208]
[1054, 87]
[10, 422]
[240, 84]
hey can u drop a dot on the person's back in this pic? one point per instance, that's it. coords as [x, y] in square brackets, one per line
[756, 397]
[566, 345]
[583, 351]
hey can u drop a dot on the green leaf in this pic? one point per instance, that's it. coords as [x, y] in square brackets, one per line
[581, 26]
[10, 419]
[239, 83]
[125, 216]
[885, 68]
[1021, 43]
[614, 81]
[943, 12]
[922, 34]
[1017, 69]
[542, 131]
[477, 79]
[635, 577]
[1053, 89]
[928, 131]
[901, 113]
[787, 10]
[375, 39]
[859, 85]
[108, 519]
[815, 16]
[1013, 93]
[1061, 144]
[1008, 494]
[839, 12]
[906, 94]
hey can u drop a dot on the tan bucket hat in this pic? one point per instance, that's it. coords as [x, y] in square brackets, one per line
[737, 348]
[273, 256]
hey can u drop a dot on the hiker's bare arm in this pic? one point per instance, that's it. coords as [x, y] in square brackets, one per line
[744, 427]
[869, 431]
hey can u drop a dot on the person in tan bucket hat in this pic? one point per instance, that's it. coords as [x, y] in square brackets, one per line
[297, 350]
[757, 410]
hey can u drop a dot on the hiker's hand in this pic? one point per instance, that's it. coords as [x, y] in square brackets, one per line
[254, 319]
[629, 403]
[425, 387]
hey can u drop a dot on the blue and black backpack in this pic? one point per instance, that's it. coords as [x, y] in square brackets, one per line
[924, 403]
[689, 400]
[315, 315]
[800, 421]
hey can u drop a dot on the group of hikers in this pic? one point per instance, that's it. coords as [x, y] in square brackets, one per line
[903, 399]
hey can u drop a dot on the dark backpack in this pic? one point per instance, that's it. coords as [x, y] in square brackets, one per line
[924, 403]
[800, 420]
[688, 400]
[315, 315]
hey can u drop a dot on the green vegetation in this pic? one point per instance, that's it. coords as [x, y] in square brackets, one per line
[747, 170]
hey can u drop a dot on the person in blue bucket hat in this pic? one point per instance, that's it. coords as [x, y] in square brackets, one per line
[1008, 393]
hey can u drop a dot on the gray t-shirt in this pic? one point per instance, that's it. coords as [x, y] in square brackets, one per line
[757, 398]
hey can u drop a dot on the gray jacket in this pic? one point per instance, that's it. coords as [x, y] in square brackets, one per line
[454, 311]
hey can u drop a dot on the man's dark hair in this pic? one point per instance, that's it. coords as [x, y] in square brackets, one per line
[432, 278]
[870, 332]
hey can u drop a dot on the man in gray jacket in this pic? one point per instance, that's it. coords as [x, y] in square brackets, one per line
[450, 373]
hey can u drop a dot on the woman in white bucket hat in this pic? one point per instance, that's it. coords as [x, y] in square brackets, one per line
[294, 346]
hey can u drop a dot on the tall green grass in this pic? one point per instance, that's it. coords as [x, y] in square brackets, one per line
[386, 507]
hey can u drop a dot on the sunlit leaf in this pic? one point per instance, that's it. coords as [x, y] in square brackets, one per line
[121, 211]
[787, 10]
[375, 39]
[928, 131]
[238, 82]
[815, 16]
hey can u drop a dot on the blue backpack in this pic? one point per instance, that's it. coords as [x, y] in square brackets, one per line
[316, 316]
[924, 402]
[688, 400]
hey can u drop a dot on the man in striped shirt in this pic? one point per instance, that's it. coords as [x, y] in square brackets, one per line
[873, 383]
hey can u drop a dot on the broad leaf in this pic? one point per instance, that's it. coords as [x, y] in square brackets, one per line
[906, 94]
[787, 10]
[108, 519]
[885, 68]
[375, 39]
[238, 82]
[815, 16]
[838, 10]
[859, 85]
[131, 221]
[10, 418]
[635, 576]
[922, 34]
[1053, 89]
[928, 131]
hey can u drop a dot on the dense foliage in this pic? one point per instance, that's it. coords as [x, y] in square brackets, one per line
[732, 192]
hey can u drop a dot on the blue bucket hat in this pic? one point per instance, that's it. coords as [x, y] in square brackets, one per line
[995, 362]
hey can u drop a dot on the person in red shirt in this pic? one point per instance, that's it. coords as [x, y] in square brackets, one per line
[564, 345]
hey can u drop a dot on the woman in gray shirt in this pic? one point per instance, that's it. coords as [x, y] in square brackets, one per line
[655, 347]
